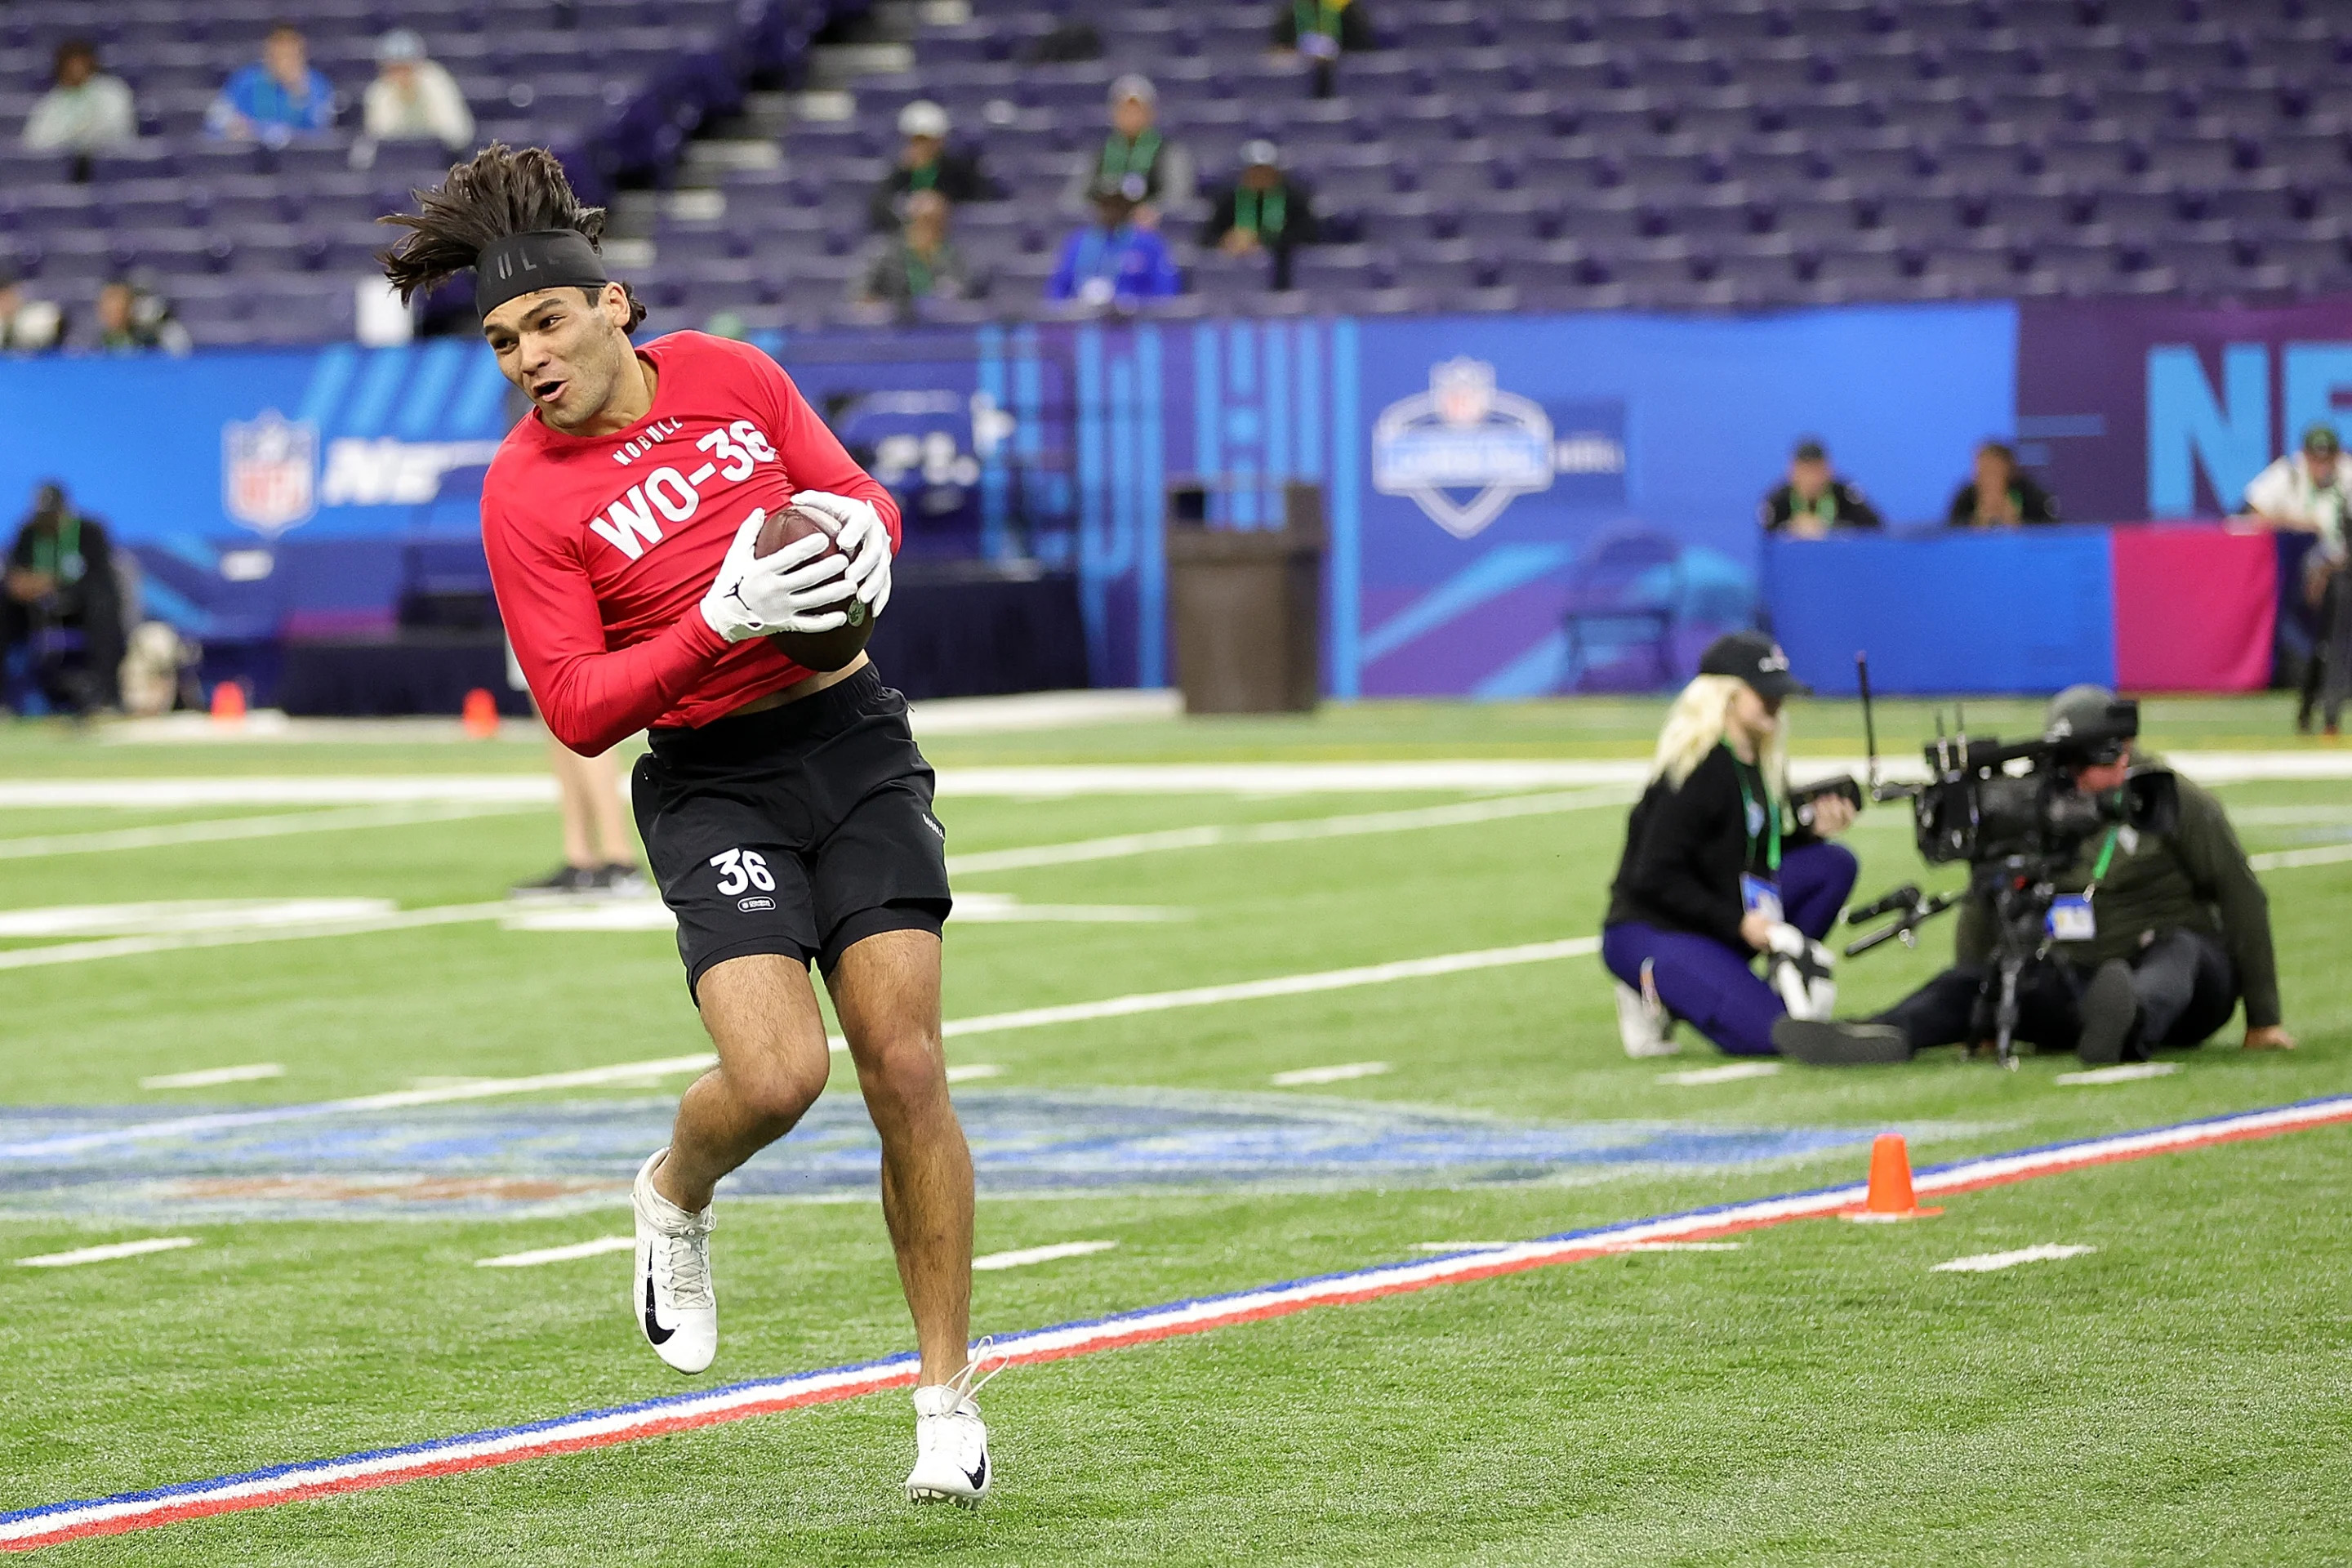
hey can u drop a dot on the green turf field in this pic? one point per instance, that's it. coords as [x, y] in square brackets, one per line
[1816, 1394]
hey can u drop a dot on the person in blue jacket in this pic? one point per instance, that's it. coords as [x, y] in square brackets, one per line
[276, 97]
[1115, 258]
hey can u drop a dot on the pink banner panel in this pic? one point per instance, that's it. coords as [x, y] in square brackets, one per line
[2196, 607]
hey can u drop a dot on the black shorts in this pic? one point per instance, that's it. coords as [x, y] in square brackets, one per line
[796, 831]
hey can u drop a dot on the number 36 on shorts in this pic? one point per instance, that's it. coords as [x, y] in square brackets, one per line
[742, 869]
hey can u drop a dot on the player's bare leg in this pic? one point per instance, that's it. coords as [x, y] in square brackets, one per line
[887, 991]
[762, 1016]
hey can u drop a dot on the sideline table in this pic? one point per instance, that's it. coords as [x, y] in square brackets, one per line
[2140, 607]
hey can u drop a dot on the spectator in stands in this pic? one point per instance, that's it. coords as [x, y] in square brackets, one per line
[276, 97]
[921, 263]
[1319, 31]
[85, 111]
[1815, 500]
[1114, 261]
[413, 97]
[928, 163]
[2001, 495]
[27, 326]
[1156, 172]
[1265, 212]
[2310, 491]
[61, 607]
[132, 318]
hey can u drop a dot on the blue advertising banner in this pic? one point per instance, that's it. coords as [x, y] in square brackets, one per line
[1517, 505]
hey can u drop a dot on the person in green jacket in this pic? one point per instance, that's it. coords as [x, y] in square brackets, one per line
[2178, 934]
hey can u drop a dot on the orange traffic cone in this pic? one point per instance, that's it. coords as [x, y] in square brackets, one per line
[228, 703]
[481, 715]
[1890, 1183]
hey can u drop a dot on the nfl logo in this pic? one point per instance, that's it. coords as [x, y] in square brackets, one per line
[269, 470]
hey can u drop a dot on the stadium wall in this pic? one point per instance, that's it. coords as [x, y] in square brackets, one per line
[1478, 471]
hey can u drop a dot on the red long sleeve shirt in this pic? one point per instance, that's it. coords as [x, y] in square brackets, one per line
[602, 547]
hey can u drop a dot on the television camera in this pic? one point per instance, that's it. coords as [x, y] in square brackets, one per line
[2013, 815]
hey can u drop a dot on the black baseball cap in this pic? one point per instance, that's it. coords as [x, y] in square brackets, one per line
[1810, 451]
[1753, 659]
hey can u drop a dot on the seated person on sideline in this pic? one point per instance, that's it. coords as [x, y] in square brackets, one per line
[2001, 495]
[276, 97]
[2309, 493]
[413, 97]
[86, 111]
[1709, 881]
[132, 318]
[926, 162]
[1114, 259]
[62, 605]
[1815, 500]
[1266, 211]
[1156, 172]
[921, 264]
[2180, 933]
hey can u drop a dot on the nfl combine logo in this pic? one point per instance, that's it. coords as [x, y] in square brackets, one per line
[269, 471]
[1462, 435]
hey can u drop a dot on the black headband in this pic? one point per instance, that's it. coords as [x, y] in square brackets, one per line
[524, 263]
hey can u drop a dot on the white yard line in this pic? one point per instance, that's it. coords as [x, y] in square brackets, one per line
[970, 1070]
[2126, 1072]
[1281, 985]
[1023, 1257]
[1986, 1262]
[2296, 859]
[596, 1248]
[252, 1072]
[107, 1254]
[1487, 775]
[1299, 1077]
[1121, 845]
[665, 1066]
[130, 946]
[1730, 1072]
[220, 830]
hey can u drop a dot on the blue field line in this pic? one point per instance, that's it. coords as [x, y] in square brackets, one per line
[682, 1402]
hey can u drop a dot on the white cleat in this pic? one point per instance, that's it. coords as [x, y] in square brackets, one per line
[670, 1294]
[1643, 1026]
[950, 1443]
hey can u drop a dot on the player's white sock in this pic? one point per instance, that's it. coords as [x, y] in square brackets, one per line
[671, 1295]
[951, 1440]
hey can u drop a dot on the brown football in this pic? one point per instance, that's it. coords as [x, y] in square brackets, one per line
[820, 651]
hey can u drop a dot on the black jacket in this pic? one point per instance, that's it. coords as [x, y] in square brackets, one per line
[2035, 504]
[1685, 850]
[2195, 877]
[955, 175]
[1851, 511]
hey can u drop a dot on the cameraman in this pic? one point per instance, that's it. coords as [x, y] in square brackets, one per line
[1709, 880]
[2171, 931]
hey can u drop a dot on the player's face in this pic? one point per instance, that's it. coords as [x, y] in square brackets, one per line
[565, 350]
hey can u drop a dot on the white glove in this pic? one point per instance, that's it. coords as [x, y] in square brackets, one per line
[861, 536]
[1801, 970]
[786, 592]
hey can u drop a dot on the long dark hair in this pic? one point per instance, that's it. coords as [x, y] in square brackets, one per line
[503, 191]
